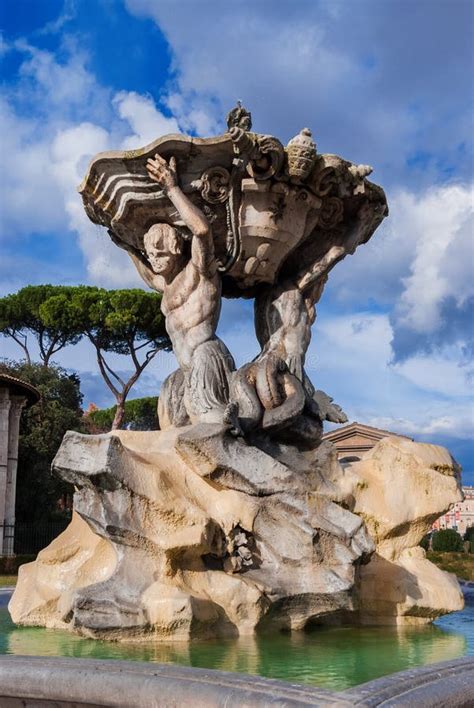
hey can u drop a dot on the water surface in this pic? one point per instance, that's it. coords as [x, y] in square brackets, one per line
[331, 657]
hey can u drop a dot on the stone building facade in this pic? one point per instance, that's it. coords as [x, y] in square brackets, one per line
[461, 516]
[355, 439]
[14, 395]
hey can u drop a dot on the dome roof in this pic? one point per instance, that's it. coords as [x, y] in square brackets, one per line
[20, 388]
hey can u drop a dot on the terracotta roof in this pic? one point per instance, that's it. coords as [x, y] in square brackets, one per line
[353, 427]
[20, 388]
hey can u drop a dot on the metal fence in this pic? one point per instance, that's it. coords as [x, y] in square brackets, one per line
[28, 538]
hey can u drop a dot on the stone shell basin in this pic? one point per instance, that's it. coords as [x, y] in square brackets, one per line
[272, 216]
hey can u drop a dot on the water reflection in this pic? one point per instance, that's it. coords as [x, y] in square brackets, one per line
[333, 657]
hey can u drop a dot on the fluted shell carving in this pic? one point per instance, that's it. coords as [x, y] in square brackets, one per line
[264, 208]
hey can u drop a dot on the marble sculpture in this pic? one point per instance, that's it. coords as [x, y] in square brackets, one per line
[236, 517]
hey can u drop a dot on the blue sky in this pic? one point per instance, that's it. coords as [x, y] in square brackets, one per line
[388, 83]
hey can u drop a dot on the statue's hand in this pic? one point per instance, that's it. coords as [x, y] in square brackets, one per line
[162, 172]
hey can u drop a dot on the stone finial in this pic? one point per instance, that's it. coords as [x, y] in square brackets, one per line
[360, 171]
[239, 117]
[301, 154]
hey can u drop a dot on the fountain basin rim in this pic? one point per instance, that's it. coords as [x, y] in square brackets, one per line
[67, 682]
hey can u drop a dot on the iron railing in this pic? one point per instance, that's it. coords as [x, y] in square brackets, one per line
[28, 538]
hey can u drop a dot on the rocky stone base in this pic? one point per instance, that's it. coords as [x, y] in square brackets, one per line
[195, 533]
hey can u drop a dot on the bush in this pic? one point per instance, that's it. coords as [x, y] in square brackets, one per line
[9, 564]
[140, 414]
[461, 564]
[447, 540]
[469, 534]
[425, 542]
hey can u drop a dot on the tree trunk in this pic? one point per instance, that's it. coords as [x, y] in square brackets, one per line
[119, 414]
[23, 346]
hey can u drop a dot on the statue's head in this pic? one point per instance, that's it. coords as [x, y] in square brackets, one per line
[239, 117]
[301, 155]
[164, 248]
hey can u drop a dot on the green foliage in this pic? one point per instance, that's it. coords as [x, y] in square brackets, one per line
[42, 428]
[21, 314]
[461, 564]
[447, 540]
[469, 536]
[127, 322]
[469, 533]
[114, 320]
[425, 542]
[8, 580]
[140, 414]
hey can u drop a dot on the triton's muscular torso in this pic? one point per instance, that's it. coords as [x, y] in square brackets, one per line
[191, 304]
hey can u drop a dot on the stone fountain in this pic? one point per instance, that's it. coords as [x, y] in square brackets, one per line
[235, 516]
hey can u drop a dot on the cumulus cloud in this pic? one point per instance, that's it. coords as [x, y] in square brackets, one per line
[49, 152]
[146, 121]
[27, 181]
[350, 357]
[440, 372]
[71, 149]
[49, 96]
[451, 426]
[59, 90]
[419, 266]
[372, 95]
[440, 284]
[441, 226]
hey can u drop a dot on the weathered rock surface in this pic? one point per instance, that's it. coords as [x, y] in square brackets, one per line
[192, 532]
[399, 488]
[195, 533]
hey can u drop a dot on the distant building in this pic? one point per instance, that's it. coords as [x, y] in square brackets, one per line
[355, 439]
[461, 516]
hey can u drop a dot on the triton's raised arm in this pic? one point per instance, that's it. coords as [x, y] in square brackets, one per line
[202, 247]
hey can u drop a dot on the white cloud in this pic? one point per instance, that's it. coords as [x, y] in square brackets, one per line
[458, 426]
[26, 178]
[49, 97]
[58, 86]
[350, 358]
[48, 158]
[268, 58]
[69, 13]
[361, 335]
[424, 234]
[441, 227]
[320, 63]
[418, 265]
[201, 120]
[71, 149]
[146, 121]
[439, 372]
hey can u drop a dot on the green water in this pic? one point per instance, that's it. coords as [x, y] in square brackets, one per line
[333, 657]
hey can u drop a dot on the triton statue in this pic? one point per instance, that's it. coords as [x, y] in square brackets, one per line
[238, 215]
[237, 517]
